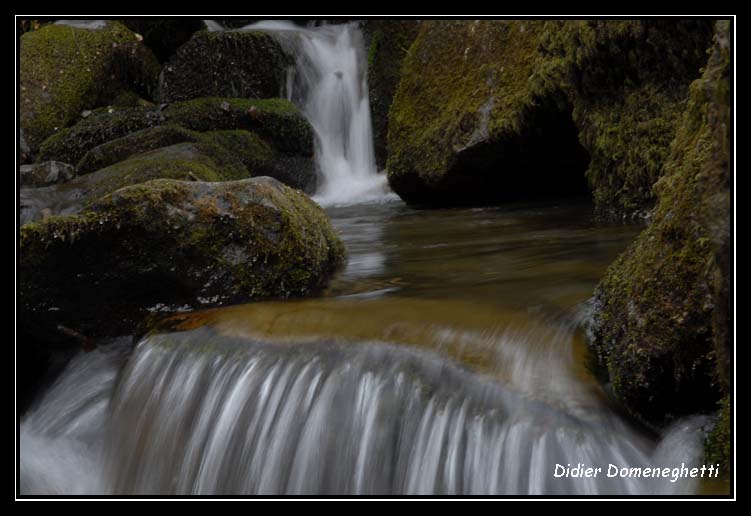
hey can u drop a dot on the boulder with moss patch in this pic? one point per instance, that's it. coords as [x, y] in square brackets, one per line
[662, 329]
[65, 70]
[247, 64]
[275, 120]
[161, 246]
[478, 116]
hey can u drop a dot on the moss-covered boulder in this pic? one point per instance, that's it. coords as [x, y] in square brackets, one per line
[662, 330]
[162, 246]
[491, 110]
[628, 83]
[167, 245]
[246, 64]
[478, 117]
[275, 120]
[65, 70]
[387, 42]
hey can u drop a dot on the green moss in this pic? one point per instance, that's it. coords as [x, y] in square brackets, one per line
[238, 153]
[66, 70]
[469, 84]
[276, 120]
[655, 327]
[450, 74]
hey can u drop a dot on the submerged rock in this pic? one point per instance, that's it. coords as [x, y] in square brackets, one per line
[275, 120]
[662, 325]
[170, 245]
[46, 173]
[246, 64]
[66, 69]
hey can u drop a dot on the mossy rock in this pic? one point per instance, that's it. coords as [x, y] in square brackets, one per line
[479, 116]
[628, 81]
[247, 64]
[185, 161]
[243, 147]
[65, 70]
[161, 246]
[275, 120]
[387, 42]
[488, 111]
[661, 330]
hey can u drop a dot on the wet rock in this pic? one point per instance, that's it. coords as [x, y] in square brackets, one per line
[46, 173]
[66, 69]
[171, 245]
[662, 330]
[225, 64]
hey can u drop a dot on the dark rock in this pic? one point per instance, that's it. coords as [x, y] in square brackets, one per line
[164, 36]
[46, 173]
[387, 42]
[225, 64]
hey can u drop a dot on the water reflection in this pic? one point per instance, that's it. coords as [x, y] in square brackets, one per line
[519, 257]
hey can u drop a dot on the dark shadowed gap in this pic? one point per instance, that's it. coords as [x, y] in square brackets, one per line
[544, 161]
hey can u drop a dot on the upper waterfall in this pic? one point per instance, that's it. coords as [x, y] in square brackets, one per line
[329, 83]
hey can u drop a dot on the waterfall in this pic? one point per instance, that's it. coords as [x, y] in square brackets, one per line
[329, 84]
[201, 413]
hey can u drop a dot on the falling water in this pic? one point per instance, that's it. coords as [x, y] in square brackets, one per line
[199, 413]
[329, 83]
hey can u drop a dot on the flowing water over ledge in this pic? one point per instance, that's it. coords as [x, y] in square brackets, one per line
[446, 358]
